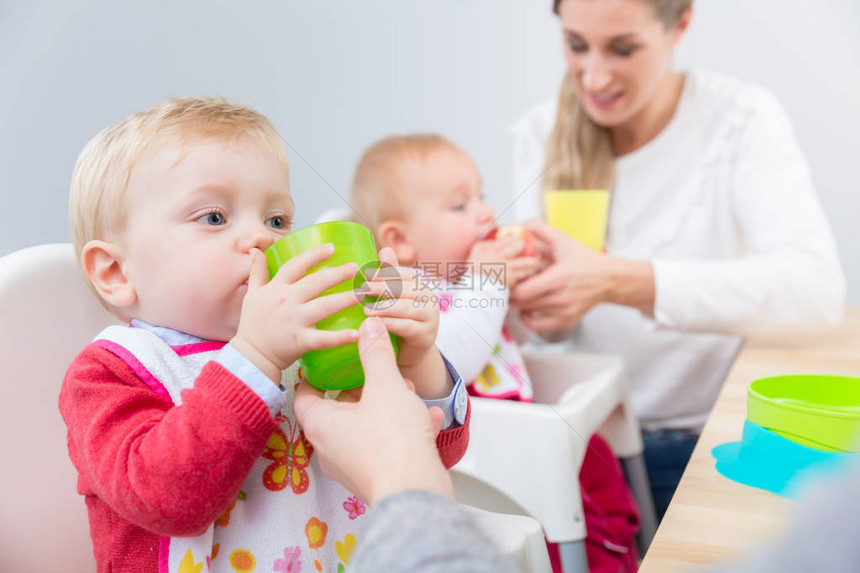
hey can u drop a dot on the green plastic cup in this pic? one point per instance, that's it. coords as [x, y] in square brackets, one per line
[337, 368]
[814, 410]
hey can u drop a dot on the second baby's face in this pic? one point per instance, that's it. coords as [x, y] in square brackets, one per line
[193, 216]
[448, 214]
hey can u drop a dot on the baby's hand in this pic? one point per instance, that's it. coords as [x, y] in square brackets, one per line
[278, 321]
[412, 313]
[485, 257]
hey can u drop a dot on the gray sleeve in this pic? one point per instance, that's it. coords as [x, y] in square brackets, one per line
[419, 532]
[824, 534]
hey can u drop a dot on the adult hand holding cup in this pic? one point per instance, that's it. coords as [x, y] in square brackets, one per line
[385, 442]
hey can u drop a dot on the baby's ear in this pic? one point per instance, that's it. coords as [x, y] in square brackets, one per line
[102, 263]
[393, 234]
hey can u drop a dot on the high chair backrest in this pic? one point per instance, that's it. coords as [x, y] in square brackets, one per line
[47, 316]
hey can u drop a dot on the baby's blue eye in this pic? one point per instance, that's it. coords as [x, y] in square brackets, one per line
[214, 218]
[278, 222]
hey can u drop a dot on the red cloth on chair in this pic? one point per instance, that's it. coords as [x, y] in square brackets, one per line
[611, 515]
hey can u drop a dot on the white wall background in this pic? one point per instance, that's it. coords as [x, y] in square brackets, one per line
[335, 75]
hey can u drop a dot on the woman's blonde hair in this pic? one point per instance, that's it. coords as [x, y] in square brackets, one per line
[102, 171]
[579, 151]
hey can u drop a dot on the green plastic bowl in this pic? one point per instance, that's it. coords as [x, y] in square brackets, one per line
[337, 368]
[817, 411]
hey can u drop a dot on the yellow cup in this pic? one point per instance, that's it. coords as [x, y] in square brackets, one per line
[582, 214]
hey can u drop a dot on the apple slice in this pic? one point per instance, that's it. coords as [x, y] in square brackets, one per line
[518, 232]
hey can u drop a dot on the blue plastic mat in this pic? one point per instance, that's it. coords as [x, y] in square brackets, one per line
[768, 461]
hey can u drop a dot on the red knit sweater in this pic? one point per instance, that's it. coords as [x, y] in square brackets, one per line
[149, 469]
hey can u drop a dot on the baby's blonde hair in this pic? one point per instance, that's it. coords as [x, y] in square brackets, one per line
[102, 171]
[378, 193]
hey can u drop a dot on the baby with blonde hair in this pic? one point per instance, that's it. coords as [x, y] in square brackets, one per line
[422, 195]
[180, 423]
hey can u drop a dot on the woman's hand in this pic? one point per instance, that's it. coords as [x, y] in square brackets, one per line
[386, 441]
[577, 279]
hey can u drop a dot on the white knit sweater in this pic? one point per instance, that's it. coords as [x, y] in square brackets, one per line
[722, 204]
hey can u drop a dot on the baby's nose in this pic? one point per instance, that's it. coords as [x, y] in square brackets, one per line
[485, 214]
[259, 236]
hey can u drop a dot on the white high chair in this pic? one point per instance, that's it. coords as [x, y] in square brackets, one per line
[525, 458]
[48, 315]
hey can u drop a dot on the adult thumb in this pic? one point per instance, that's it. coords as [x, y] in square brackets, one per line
[543, 231]
[377, 355]
[259, 274]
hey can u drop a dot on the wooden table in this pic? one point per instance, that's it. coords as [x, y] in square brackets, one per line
[712, 518]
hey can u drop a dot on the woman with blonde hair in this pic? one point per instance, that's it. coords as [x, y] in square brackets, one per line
[715, 231]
